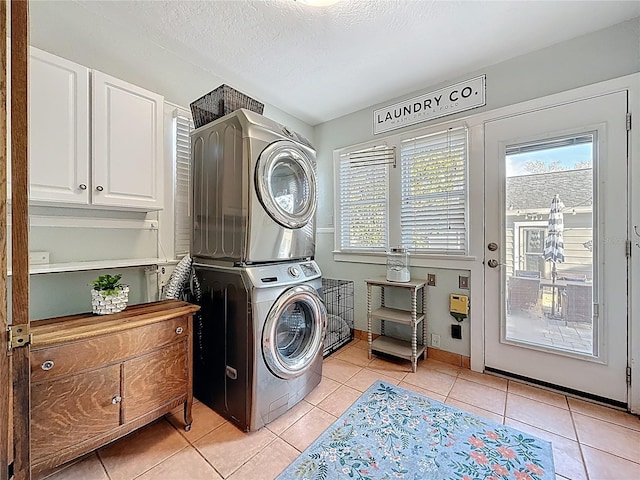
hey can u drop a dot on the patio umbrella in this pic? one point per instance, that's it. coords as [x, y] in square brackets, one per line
[554, 244]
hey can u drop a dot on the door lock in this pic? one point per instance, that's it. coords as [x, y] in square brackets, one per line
[492, 246]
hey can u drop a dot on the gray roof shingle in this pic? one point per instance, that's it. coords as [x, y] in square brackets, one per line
[536, 191]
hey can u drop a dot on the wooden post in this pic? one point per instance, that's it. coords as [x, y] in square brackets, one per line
[5, 373]
[20, 232]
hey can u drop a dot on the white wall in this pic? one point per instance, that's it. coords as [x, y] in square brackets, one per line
[599, 56]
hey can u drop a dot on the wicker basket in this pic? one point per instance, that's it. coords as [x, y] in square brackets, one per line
[220, 102]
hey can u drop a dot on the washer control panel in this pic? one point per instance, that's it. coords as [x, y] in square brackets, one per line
[283, 273]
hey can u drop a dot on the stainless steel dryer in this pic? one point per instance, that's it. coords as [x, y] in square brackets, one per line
[258, 344]
[254, 187]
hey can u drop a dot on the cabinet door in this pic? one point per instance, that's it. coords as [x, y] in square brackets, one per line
[58, 130]
[127, 145]
[73, 409]
[154, 380]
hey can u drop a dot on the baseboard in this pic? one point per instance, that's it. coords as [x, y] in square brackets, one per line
[434, 353]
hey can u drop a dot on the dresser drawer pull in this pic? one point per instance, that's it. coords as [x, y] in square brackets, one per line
[179, 330]
[117, 399]
[48, 365]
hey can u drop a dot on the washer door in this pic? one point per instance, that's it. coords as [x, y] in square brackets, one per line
[286, 184]
[294, 332]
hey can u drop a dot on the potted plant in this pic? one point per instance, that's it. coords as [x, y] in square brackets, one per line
[108, 295]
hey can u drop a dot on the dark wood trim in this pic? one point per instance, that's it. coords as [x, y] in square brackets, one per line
[20, 231]
[5, 373]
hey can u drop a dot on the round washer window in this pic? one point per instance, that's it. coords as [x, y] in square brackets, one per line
[294, 331]
[286, 184]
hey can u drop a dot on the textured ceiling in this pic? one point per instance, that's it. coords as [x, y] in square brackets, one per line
[319, 64]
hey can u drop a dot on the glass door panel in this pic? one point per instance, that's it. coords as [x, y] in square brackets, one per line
[549, 210]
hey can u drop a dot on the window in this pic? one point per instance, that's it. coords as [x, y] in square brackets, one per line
[182, 210]
[422, 205]
[363, 190]
[434, 192]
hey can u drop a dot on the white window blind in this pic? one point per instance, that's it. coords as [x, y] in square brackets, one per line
[182, 206]
[434, 192]
[363, 201]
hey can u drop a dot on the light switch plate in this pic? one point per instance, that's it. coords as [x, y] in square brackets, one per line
[431, 279]
[463, 281]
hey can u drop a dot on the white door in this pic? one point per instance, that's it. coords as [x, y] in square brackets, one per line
[556, 279]
[58, 129]
[127, 144]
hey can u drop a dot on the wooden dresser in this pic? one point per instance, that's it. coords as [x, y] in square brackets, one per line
[97, 378]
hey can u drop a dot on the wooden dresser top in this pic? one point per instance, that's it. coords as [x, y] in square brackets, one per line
[69, 328]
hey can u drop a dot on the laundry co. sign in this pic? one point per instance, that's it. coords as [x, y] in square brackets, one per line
[455, 98]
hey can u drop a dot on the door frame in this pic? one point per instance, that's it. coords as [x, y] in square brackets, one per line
[630, 83]
[14, 365]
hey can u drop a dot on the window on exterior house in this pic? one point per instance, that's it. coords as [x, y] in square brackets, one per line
[182, 208]
[422, 205]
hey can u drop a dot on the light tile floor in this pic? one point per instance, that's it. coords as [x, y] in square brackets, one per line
[590, 442]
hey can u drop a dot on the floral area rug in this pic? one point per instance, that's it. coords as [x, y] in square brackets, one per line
[390, 432]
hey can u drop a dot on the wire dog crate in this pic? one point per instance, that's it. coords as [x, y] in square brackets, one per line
[338, 298]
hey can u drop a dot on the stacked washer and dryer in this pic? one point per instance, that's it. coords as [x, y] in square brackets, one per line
[259, 344]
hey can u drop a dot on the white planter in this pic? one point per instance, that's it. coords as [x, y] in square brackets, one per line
[106, 304]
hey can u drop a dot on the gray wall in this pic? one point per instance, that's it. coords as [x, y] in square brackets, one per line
[599, 56]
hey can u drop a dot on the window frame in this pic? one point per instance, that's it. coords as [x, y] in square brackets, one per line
[394, 201]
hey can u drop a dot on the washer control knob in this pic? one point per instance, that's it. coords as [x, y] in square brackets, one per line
[294, 272]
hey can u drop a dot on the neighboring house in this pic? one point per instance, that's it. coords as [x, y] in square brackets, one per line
[528, 200]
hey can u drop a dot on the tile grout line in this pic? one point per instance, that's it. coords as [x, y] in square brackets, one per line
[575, 430]
[104, 468]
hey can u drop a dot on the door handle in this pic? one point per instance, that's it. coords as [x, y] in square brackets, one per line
[493, 263]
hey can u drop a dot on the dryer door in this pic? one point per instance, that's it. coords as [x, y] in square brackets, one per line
[294, 330]
[286, 184]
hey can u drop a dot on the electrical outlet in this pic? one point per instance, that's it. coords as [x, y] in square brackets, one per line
[456, 331]
[435, 340]
[463, 282]
[431, 279]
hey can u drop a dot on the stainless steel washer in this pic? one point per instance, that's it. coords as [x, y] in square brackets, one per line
[255, 196]
[258, 346]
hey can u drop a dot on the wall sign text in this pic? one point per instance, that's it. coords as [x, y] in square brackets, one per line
[446, 101]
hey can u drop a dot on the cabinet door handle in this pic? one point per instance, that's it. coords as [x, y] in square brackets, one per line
[100, 188]
[47, 365]
[117, 399]
[179, 330]
[82, 186]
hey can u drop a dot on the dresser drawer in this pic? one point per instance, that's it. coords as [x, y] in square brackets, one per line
[70, 358]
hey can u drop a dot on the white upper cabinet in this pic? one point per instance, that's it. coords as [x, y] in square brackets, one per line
[58, 129]
[94, 140]
[127, 144]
